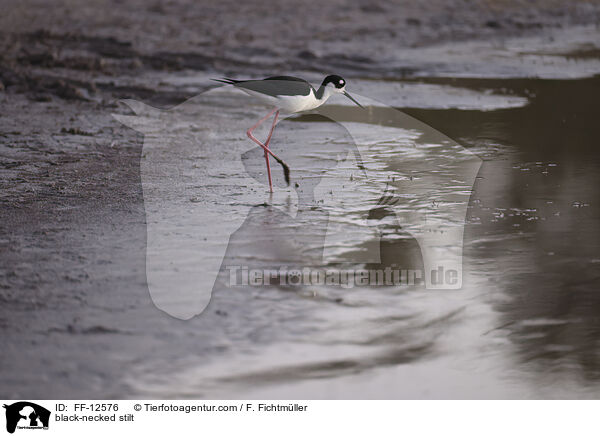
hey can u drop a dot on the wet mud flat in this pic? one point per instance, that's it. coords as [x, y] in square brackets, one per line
[73, 281]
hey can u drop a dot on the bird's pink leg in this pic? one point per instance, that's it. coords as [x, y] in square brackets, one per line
[266, 145]
[267, 154]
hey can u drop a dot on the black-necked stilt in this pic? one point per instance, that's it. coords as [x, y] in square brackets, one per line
[290, 95]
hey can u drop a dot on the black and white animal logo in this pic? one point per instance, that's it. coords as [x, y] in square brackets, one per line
[26, 415]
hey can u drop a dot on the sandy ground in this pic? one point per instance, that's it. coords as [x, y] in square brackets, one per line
[73, 232]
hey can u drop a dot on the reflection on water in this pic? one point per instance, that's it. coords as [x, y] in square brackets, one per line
[525, 322]
[534, 219]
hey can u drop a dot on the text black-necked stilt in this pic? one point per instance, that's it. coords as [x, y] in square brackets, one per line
[289, 95]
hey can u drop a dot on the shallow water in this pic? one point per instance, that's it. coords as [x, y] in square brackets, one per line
[524, 323]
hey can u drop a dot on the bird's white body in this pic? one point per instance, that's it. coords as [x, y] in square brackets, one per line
[291, 104]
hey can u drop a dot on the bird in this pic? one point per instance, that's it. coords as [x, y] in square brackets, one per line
[286, 94]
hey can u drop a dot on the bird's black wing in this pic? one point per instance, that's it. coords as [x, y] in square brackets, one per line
[288, 78]
[273, 86]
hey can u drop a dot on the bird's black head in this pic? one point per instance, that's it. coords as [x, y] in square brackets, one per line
[335, 85]
[334, 80]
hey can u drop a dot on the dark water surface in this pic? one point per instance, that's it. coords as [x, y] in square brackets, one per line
[535, 220]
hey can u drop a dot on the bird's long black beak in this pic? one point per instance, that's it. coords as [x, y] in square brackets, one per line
[352, 98]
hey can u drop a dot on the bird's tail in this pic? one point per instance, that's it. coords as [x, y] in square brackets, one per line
[226, 81]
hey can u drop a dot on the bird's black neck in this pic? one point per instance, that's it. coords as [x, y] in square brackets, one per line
[320, 92]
